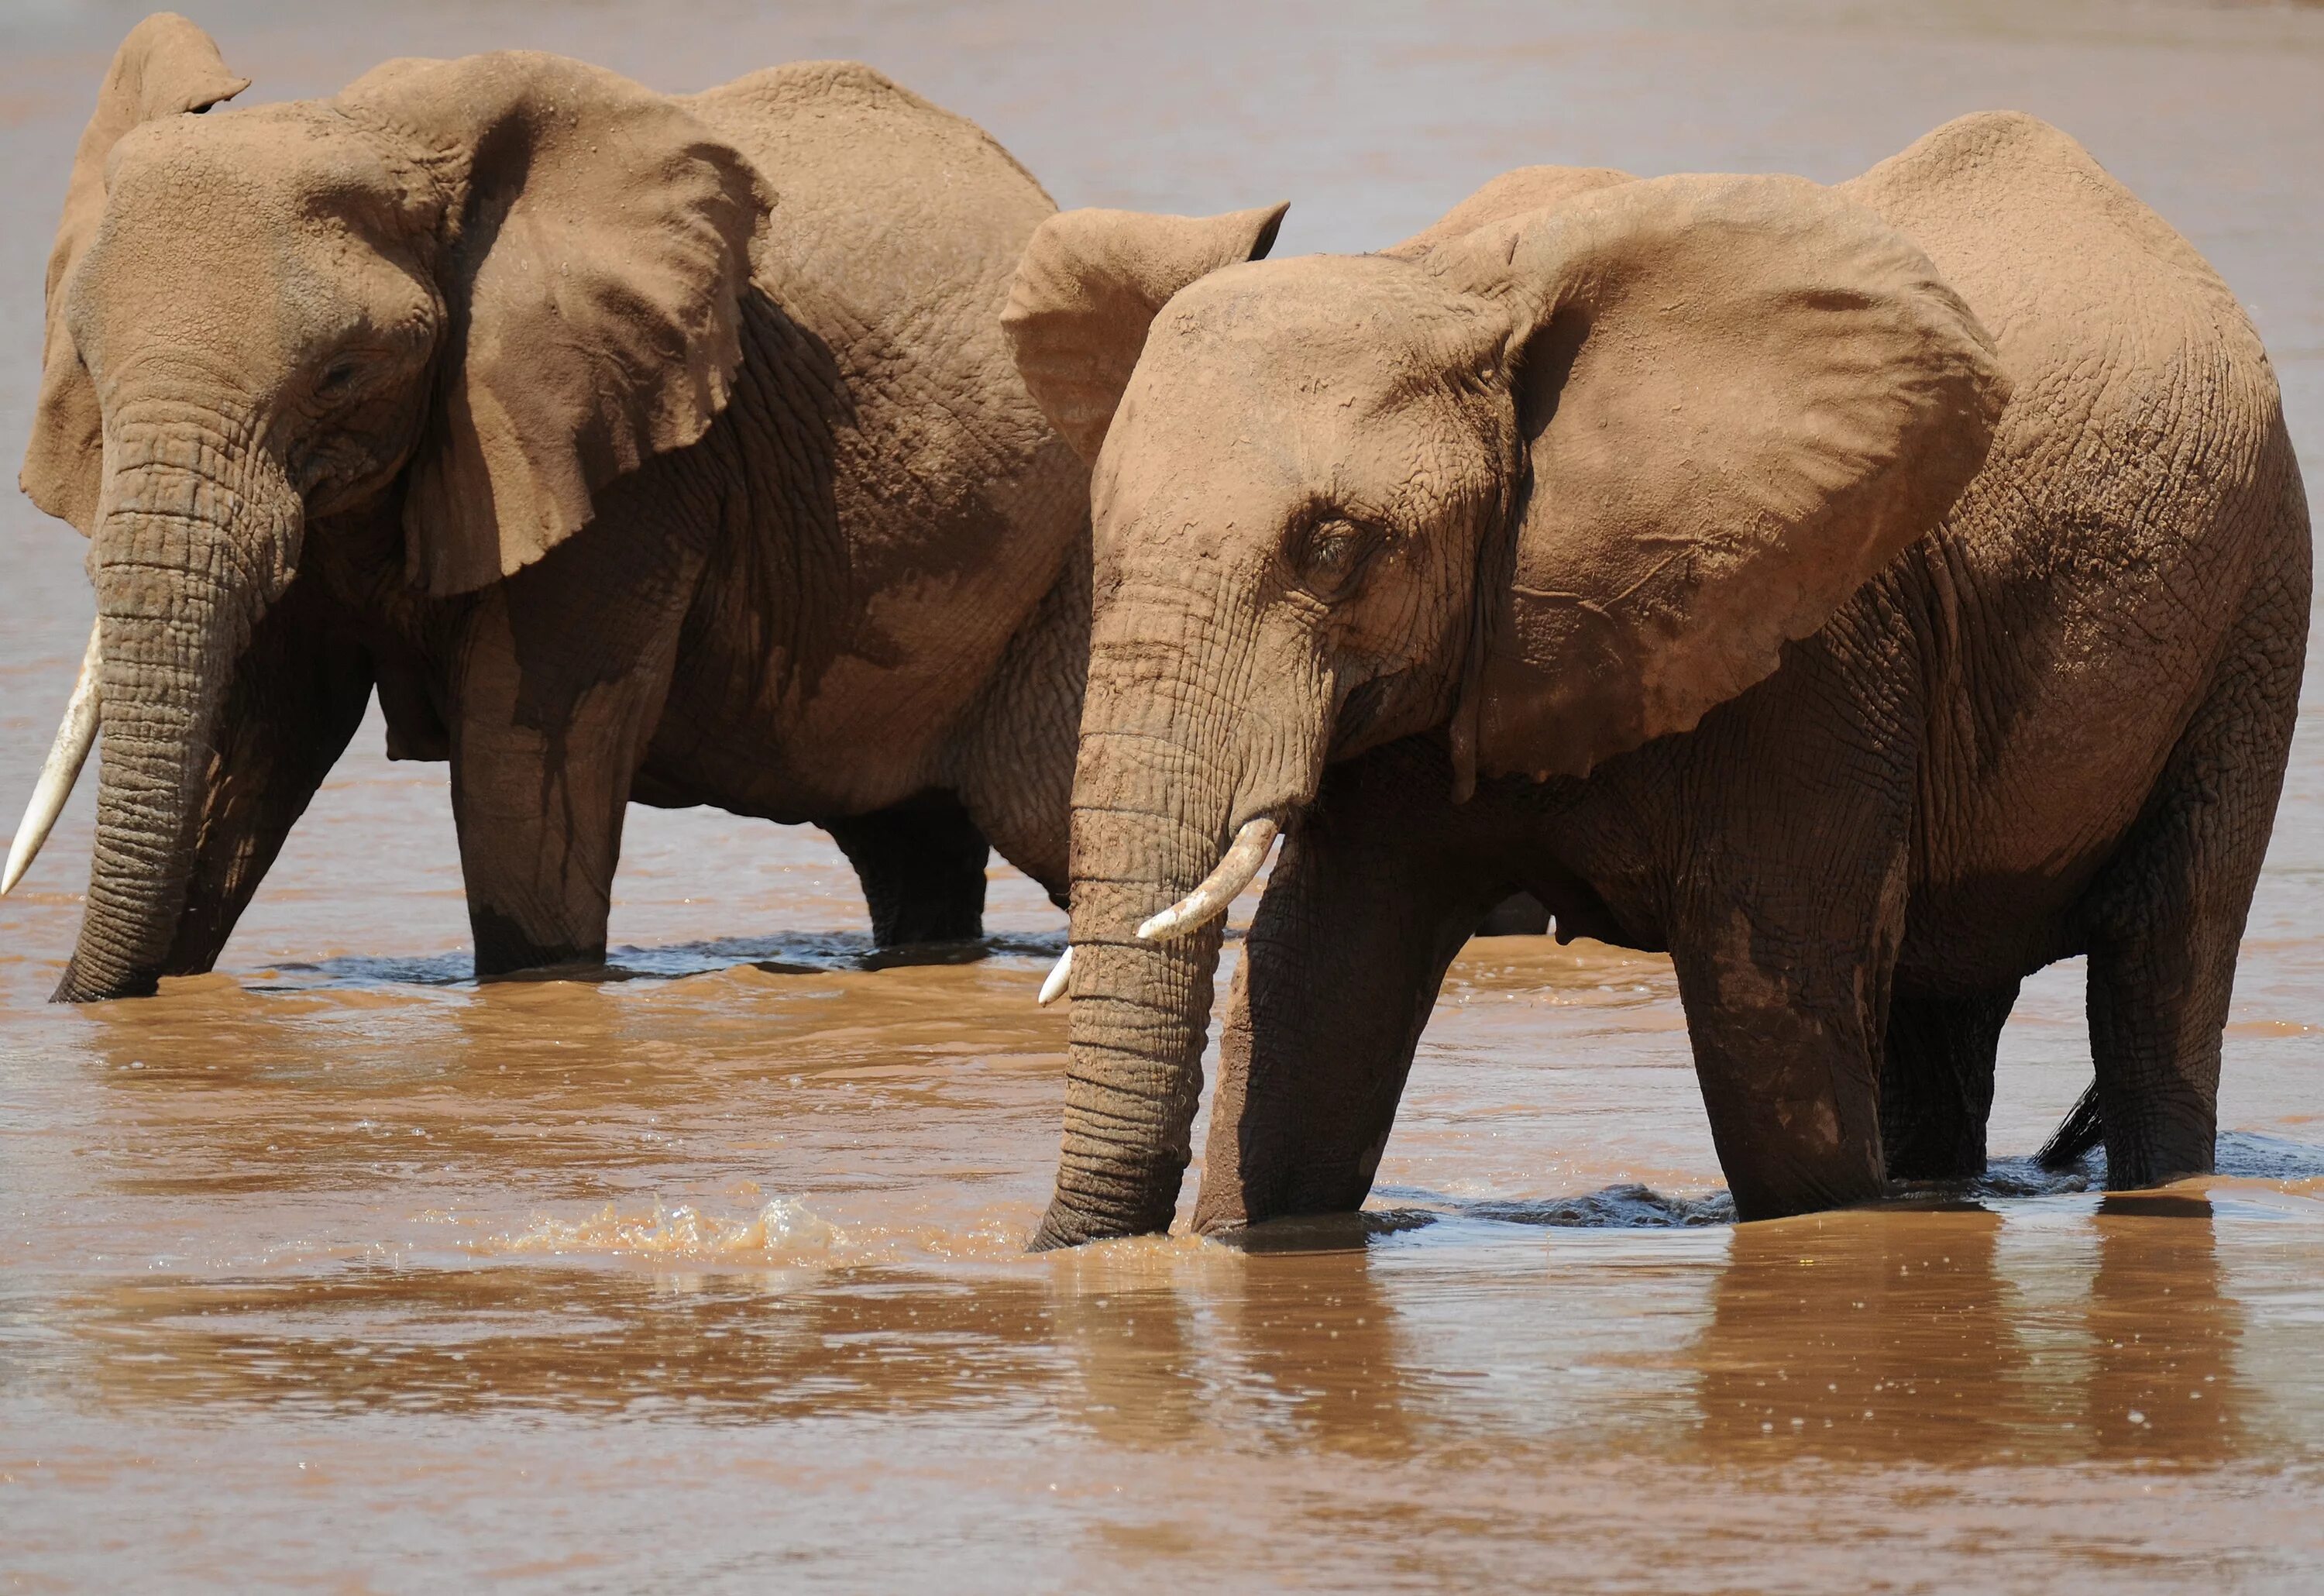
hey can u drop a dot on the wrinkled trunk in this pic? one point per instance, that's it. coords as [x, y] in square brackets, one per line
[190, 545]
[1141, 1010]
[1175, 754]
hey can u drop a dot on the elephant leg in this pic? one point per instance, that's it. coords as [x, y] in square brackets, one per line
[1788, 883]
[298, 693]
[563, 672]
[1785, 1022]
[1936, 1083]
[1521, 914]
[2166, 917]
[1373, 894]
[1012, 763]
[922, 866]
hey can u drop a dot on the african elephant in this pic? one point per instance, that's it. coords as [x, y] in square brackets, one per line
[1868, 595]
[632, 445]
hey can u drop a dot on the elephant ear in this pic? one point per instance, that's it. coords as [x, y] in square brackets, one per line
[1736, 400]
[1090, 284]
[595, 258]
[166, 67]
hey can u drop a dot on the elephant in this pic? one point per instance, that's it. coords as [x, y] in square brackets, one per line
[634, 446]
[1867, 594]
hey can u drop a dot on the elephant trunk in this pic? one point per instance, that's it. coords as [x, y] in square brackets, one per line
[1171, 769]
[193, 540]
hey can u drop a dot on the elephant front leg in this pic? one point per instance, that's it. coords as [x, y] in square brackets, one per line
[558, 694]
[1372, 895]
[540, 834]
[1784, 987]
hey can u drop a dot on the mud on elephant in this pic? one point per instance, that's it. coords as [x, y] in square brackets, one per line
[1868, 593]
[631, 446]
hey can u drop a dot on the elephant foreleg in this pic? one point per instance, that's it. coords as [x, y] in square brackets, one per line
[563, 669]
[921, 863]
[1785, 1030]
[298, 693]
[1374, 893]
[1785, 916]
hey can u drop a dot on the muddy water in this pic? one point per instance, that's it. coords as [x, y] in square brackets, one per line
[335, 1270]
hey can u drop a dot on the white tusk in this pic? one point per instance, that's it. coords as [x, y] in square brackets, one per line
[1206, 902]
[66, 755]
[1054, 987]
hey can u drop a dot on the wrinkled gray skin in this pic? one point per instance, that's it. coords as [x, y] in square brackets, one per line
[632, 445]
[1868, 596]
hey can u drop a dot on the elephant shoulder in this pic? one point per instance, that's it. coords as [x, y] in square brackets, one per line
[1513, 193]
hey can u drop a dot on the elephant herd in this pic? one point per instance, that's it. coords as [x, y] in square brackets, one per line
[1868, 593]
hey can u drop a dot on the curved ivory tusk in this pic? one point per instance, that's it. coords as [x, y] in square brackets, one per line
[1206, 902]
[1054, 987]
[66, 755]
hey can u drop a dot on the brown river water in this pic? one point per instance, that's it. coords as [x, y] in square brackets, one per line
[334, 1270]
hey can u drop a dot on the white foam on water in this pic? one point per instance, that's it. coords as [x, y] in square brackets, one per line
[783, 1233]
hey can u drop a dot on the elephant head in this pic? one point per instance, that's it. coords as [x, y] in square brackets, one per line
[454, 302]
[1546, 485]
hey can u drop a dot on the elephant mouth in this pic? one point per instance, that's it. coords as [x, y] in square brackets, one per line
[1245, 857]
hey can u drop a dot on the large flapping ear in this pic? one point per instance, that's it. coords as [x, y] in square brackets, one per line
[1090, 284]
[166, 67]
[1738, 399]
[1514, 193]
[597, 255]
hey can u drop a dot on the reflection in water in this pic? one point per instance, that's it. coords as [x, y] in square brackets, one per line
[1318, 1358]
[1150, 1344]
[1885, 1334]
[569, 1341]
[1896, 1334]
[2164, 1384]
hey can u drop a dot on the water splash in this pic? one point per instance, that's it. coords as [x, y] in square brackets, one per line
[784, 1232]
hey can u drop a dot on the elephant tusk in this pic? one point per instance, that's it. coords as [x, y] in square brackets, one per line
[66, 755]
[1206, 902]
[1054, 987]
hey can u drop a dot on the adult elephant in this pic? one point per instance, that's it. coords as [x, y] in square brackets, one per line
[1868, 593]
[632, 445]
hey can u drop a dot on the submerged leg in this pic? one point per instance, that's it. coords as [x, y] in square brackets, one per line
[921, 863]
[1372, 895]
[1936, 1083]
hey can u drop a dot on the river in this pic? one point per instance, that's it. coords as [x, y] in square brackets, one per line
[334, 1270]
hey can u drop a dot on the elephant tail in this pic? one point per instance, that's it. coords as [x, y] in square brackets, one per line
[2080, 1131]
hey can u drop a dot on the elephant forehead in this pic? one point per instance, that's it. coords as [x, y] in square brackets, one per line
[255, 234]
[1354, 333]
[1345, 381]
[239, 171]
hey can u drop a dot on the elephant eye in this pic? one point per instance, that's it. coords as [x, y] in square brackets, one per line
[1332, 554]
[337, 377]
